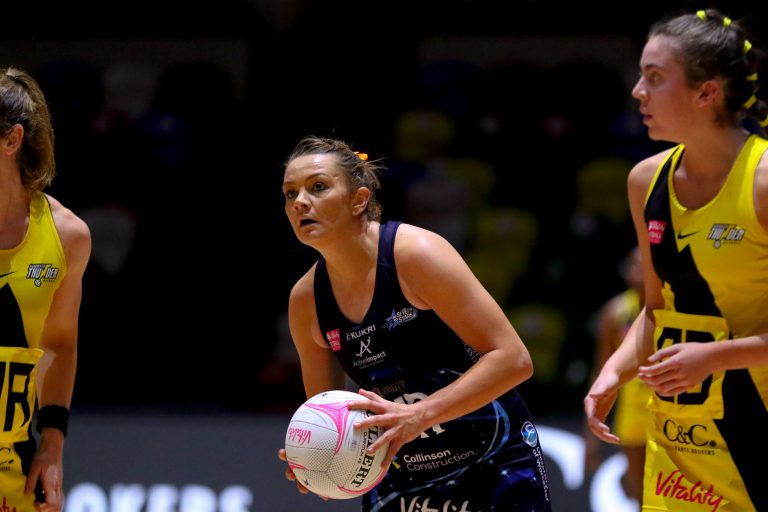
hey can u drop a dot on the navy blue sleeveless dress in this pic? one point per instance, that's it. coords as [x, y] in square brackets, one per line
[488, 460]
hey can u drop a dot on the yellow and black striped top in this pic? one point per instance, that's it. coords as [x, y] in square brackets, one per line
[30, 274]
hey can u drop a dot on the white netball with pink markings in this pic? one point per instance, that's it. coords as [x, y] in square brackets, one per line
[327, 455]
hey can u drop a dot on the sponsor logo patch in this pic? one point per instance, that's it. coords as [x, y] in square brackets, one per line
[656, 231]
[334, 339]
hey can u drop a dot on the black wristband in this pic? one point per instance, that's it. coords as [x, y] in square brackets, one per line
[53, 416]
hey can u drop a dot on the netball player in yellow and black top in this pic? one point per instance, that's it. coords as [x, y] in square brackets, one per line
[44, 249]
[396, 308]
[701, 214]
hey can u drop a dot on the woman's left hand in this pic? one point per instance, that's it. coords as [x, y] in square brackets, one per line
[46, 468]
[678, 368]
[402, 423]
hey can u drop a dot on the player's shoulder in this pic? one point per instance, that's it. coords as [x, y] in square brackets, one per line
[413, 241]
[761, 183]
[304, 288]
[649, 165]
[73, 232]
[422, 255]
[762, 162]
[643, 172]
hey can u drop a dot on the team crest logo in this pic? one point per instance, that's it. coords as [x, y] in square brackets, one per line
[725, 234]
[42, 272]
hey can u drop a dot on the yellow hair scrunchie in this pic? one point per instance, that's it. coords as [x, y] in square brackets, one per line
[751, 101]
[702, 15]
[752, 77]
[727, 21]
[764, 122]
[747, 45]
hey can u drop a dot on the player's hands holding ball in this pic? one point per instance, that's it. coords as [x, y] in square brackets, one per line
[402, 422]
[290, 475]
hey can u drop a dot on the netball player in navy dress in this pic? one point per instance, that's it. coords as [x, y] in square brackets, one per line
[396, 309]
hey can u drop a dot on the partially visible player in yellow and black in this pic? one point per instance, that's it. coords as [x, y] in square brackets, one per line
[701, 215]
[44, 249]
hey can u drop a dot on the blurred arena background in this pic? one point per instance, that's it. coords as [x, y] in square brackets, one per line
[506, 126]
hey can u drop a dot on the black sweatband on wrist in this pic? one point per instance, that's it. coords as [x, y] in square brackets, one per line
[53, 416]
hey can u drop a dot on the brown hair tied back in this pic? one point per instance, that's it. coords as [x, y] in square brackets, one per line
[360, 171]
[713, 45]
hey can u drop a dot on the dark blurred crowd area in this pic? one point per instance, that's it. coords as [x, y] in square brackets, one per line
[507, 127]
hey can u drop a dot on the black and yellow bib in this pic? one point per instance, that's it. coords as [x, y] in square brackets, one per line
[30, 273]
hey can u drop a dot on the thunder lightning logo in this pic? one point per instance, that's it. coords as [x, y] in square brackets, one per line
[41, 272]
[725, 234]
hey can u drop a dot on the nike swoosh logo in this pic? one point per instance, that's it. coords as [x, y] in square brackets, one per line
[680, 236]
[7, 274]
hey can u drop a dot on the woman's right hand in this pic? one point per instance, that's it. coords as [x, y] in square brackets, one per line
[598, 403]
